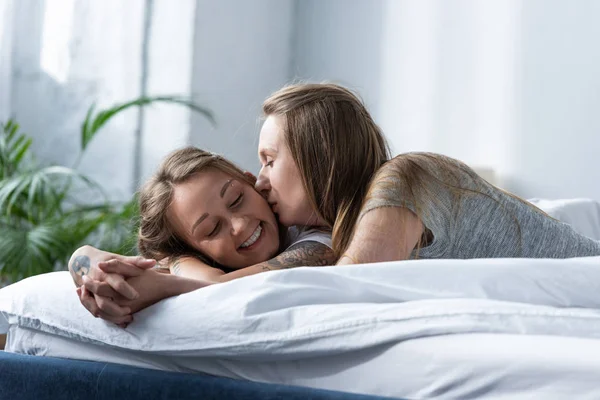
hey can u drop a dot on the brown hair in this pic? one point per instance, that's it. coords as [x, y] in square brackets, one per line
[157, 238]
[337, 147]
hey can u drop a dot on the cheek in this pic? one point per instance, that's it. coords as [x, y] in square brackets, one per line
[289, 181]
[218, 250]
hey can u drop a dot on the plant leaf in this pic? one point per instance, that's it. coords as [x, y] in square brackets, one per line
[86, 134]
[92, 125]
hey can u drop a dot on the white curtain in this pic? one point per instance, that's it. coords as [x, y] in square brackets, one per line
[5, 57]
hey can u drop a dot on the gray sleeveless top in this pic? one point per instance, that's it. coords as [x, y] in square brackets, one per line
[464, 224]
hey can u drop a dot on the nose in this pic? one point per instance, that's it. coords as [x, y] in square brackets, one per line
[263, 185]
[238, 225]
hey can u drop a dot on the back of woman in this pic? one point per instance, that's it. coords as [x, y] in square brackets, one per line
[466, 217]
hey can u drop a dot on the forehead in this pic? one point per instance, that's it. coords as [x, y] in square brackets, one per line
[271, 134]
[196, 196]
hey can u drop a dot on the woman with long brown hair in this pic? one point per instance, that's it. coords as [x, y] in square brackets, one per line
[325, 162]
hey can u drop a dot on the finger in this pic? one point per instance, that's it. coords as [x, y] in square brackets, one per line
[115, 320]
[109, 307]
[118, 283]
[98, 288]
[89, 302]
[139, 261]
[121, 267]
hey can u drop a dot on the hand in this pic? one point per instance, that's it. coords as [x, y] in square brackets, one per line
[96, 295]
[85, 262]
[104, 307]
[103, 290]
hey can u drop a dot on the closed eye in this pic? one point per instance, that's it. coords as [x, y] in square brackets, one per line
[269, 163]
[237, 201]
[215, 230]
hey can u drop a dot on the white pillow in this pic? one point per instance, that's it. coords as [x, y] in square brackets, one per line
[316, 311]
[582, 214]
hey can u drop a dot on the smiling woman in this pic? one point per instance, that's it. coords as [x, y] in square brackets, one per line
[202, 218]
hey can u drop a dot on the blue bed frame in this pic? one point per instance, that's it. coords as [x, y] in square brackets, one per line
[45, 378]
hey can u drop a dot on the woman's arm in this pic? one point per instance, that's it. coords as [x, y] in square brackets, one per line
[308, 253]
[383, 234]
[2, 342]
[187, 275]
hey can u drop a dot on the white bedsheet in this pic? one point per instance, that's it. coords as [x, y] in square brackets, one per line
[326, 327]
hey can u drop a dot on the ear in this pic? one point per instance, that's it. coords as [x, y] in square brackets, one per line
[250, 175]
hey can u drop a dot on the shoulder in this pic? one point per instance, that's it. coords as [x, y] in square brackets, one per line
[297, 235]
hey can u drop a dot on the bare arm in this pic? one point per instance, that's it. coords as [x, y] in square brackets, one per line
[308, 253]
[2, 342]
[383, 234]
[85, 260]
[188, 274]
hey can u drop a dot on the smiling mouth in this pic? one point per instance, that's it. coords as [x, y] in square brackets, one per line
[252, 239]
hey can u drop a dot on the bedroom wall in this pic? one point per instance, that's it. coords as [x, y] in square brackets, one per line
[512, 86]
[340, 41]
[558, 98]
[242, 53]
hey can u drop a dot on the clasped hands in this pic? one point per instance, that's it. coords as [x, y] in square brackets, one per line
[116, 288]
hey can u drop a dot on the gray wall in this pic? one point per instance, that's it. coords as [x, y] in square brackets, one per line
[509, 85]
[341, 41]
[242, 53]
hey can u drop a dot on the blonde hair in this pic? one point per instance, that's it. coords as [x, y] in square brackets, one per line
[337, 147]
[157, 238]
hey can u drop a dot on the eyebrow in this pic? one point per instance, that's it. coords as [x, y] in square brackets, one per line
[199, 221]
[205, 215]
[267, 150]
[225, 186]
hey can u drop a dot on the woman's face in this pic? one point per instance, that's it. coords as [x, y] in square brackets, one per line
[225, 219]
[279, 178]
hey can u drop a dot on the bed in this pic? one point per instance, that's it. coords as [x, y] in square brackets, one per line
[437, 329]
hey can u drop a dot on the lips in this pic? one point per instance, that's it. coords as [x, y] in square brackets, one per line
[253, 238]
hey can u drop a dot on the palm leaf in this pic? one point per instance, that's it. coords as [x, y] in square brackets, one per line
[42, 248]
[92, 123]
[14, 147]
[36, 192]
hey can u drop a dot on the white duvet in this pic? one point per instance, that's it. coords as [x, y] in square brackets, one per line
[367, 329]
